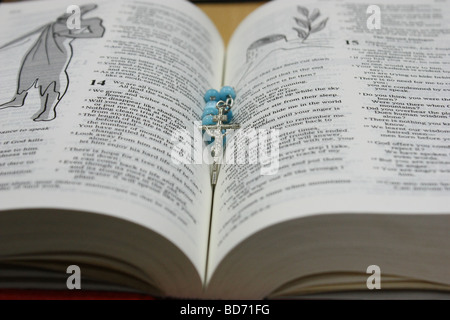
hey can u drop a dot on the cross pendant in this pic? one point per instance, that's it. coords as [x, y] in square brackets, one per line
[215, 131]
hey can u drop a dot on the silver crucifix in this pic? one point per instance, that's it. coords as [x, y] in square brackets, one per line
[215, 131]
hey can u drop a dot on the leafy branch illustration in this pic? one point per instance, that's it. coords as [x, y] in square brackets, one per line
[306, 21]
[307, 24]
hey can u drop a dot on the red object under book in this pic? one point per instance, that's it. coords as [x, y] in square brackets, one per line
[23, 294]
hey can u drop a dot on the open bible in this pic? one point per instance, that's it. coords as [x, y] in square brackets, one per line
[93, 98]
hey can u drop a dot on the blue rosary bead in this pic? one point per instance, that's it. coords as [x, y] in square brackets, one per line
[213, 111]
[210, 108]
[224, 138]
[211, 95]
[225, 92]
[211, 139]
[207, 120]
[229, 117]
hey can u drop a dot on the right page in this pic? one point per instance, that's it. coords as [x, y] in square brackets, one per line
[354, 100]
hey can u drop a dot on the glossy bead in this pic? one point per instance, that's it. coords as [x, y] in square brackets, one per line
[225, 92]
[208, 139]
[224, 138]
[210, 108]
[207, 120]
[229, 116]
[211, 95]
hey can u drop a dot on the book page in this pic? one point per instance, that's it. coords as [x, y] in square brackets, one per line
[336, 116]
[88, 115]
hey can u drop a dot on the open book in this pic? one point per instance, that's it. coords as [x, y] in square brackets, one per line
[91, 107]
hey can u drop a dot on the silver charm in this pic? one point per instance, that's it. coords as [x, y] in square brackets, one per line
[215, 131]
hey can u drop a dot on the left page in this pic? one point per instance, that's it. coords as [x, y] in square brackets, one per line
[87, 114]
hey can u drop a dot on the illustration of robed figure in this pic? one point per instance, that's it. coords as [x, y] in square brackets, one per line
[45, 64]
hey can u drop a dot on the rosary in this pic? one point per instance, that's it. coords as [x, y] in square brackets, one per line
[216, 120]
